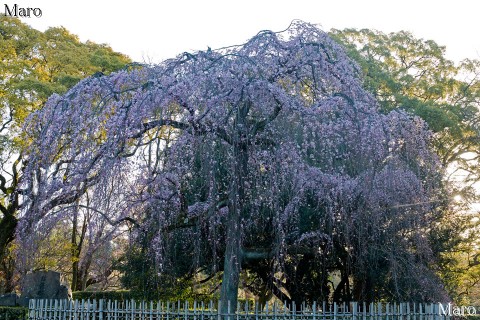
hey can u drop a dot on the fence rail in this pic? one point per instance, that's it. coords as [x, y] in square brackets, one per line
[134, 310]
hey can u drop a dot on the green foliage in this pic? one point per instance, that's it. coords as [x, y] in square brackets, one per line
[413, 74]
[118, 295]
[34, 64]
[127, 295]
[139, 273]
[13, 313]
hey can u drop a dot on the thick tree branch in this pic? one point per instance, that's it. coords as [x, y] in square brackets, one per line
[159, 123]
[110, 221]
[3, 209]
[69, 197]
[3, 184]
[259, 126]
[9, 120]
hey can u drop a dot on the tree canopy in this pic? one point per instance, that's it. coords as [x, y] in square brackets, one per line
[407, 73]
[412, 74]
[33, 66]
[270, 152]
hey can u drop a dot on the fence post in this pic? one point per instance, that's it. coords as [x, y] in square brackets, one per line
[61, 309]
[115, 315]
[45, 308]
[100, 309]
[194, 309]
[42, 310]
[168, 310]
[29, 314]
[66, 309]
[82, 310]
[87, 310]
[55, 309]
[246, 309]
[94, 309]
[109, 309]
[266, 310]
[49, 308]
[226, 316]
[31, 309]
[73, 308]
[238, 310]
[65, 306]
[37, 311]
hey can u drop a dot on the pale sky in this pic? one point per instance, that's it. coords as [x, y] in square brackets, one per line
[155, 30]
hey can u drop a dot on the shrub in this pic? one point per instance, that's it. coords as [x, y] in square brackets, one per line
[119, 295]
[13, 313]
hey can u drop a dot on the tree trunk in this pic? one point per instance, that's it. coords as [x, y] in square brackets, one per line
[7, 235]
[342, 291]
[75, 254]
[237, 206]
[8, 271]
[231, 268]
[76, 250]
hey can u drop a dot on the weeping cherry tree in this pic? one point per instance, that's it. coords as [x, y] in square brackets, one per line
[256, 148]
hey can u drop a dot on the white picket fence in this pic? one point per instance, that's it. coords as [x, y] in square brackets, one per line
[132, 310]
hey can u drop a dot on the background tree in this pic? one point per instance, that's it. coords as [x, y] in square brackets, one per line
[270, 151]
[404, 72]
[412, 74]
[34, 65]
